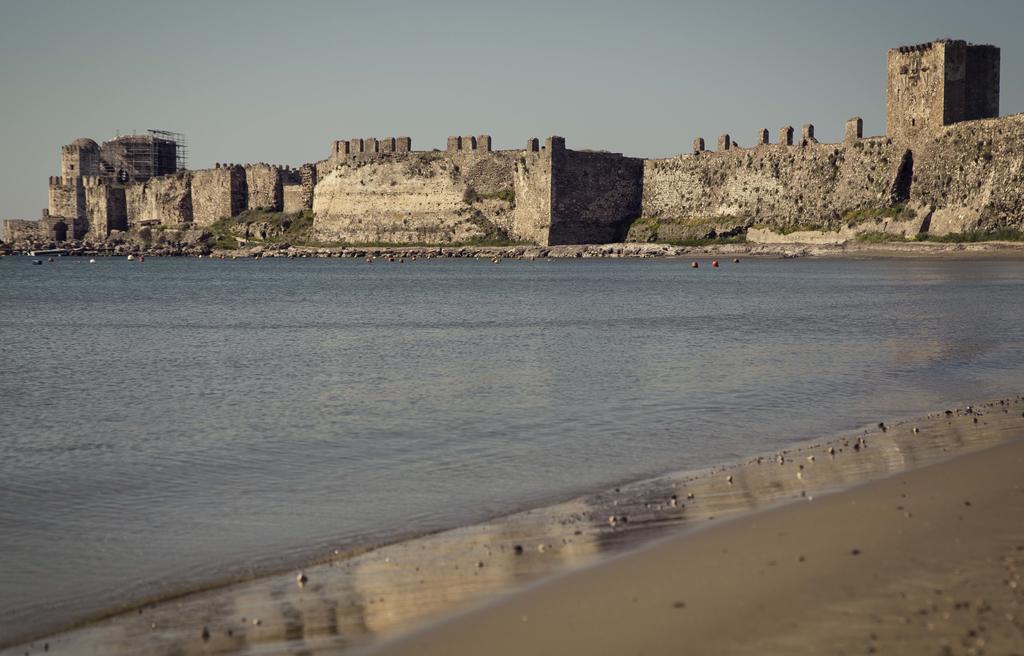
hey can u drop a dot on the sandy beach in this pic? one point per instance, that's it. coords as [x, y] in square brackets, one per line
[388, 329]
[926, 562]
[902, 539]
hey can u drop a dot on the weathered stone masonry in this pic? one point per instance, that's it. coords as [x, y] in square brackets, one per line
[947, 164]
[217, 193]
[939, 83]
[396, 195]
[594, 195]
[952, 171]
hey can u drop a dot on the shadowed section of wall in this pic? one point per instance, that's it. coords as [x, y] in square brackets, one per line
[595, 196]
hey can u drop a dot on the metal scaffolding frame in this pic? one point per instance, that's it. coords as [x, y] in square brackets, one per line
[181, 146]
[143, 156]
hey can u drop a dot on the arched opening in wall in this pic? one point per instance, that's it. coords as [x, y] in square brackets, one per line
[904, 178]
[60, 231]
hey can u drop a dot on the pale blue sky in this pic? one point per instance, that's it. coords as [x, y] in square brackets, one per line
[277, 81]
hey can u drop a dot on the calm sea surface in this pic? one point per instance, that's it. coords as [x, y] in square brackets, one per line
[176, 422]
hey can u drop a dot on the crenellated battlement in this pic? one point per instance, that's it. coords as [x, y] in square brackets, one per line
[551, 145]
[469, 144]
[65, 181]
[920, 47]
[342, 149]
[853, 131]
[924, 47]
[550, 194]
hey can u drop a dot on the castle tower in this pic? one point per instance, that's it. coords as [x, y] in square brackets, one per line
[80, 157]
[939, 83]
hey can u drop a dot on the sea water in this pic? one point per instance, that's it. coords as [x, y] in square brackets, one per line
[171, 424]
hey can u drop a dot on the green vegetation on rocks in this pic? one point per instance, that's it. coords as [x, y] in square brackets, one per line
[878, 237]
[687, 231]
[898, 212]
[999, 234]
[472, 196]
[263, 227]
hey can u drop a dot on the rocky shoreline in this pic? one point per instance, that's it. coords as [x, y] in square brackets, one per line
[200, 248]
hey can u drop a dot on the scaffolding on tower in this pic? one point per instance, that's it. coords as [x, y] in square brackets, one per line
[181, 146]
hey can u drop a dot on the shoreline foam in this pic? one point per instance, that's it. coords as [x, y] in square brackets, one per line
[925, 561]
[352, 601]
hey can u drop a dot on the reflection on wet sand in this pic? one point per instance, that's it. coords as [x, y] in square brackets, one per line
[350, 601]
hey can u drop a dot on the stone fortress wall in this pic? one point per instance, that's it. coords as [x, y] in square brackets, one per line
[785, 183]
[392, 194]
[946, 164]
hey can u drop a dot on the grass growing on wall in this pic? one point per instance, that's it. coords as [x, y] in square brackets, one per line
[283, 228]
[790, 228]
[685, 230]
[878, 237]
[865, 214]
[1000, 234]
[472, 196]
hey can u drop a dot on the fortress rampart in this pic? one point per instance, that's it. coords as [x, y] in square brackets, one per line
[947, 163]
[404, 196]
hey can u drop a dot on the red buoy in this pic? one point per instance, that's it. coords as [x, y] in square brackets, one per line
[714, 264]
[735, 260]
[694, 265]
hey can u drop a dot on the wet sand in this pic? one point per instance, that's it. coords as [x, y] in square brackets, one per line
[718, 579]
[928, 561]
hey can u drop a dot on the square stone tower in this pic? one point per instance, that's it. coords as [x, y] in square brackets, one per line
[939, 83]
